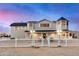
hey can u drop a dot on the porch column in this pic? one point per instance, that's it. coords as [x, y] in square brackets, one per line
[32, 37]
[48, 40]
[16, 42]
[42, 42]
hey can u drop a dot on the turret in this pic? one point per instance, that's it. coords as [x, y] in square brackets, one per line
[62, 23]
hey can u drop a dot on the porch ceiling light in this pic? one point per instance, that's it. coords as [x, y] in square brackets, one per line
[59, 31]
[32, 31]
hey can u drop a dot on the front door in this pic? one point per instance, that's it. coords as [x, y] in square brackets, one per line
[44, 35]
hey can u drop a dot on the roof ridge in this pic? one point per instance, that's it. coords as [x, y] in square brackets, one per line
[44, 20]
[62, 18]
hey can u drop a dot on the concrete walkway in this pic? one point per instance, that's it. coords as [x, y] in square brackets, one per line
[54, 51]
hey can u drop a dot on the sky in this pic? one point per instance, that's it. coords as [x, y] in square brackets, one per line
[23, 12]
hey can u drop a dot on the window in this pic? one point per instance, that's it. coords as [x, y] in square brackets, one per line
[70, 34]
[30, 25]
[59, 22]
[63, 23]
[44, 25]
[16, 28]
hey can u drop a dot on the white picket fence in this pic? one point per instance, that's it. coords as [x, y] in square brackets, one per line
[38, 42]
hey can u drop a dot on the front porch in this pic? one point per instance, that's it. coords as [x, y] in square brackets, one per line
[52, 34]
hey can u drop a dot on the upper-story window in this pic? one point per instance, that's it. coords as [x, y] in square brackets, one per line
[16, 28]
[30, 24]
[44, 25]
[59, 22]
[63, 23]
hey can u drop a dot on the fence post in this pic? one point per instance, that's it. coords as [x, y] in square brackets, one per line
[48, 40]
[33, 42]
[66, 42]
[59, 41]
[15, 42]
[42, 42]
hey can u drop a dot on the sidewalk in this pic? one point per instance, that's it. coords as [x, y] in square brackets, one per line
[45, 51]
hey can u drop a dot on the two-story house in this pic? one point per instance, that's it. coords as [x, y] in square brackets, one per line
[40, 28]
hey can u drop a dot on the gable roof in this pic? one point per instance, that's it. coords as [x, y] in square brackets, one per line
[44, 20]
[18, 24]
[62, 18]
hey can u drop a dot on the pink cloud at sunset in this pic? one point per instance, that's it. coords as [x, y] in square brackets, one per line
[8, 17]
